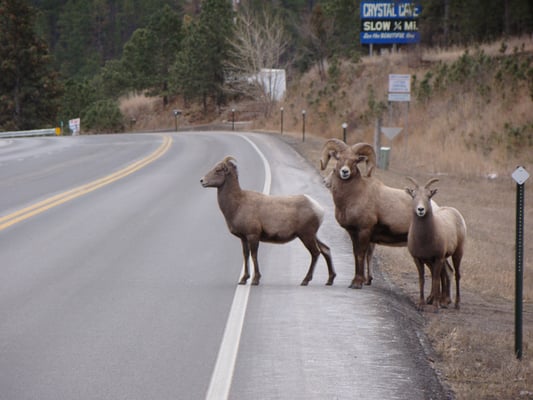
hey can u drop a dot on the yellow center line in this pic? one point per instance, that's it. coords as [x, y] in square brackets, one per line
[41, 206]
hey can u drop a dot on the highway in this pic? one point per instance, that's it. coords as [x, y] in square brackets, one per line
[118, 277]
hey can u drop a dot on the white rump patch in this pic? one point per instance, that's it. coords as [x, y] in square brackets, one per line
[317, 207]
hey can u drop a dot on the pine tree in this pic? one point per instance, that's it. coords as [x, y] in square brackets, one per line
[29, 89]
[199, 69]
[190, 78]
[216, 28]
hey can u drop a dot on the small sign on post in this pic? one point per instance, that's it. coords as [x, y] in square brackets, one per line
[399, 83]
[74, 126]
[400, 91]
[390, 132]
[520, 175]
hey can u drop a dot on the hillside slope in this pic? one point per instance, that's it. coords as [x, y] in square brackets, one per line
[470, 110]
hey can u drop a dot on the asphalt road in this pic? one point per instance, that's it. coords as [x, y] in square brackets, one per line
[118, 276]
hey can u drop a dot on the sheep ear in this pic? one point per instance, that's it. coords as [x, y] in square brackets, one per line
[432, 192]
[410, 192]
[368, 166]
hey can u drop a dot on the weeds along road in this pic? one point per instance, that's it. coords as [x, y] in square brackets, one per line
[119, 278]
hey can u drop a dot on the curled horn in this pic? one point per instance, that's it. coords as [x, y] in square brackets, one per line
[413, 181]
[430, 182]
[364, 149]
[331, 147]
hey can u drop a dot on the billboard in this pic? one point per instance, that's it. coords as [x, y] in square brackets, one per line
[389, 22]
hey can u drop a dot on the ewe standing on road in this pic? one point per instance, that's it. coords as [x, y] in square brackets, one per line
[256, 217]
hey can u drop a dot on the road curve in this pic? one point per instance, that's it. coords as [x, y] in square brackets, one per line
[124, 291]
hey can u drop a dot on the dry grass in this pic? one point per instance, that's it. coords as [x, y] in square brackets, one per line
[467, 130]
[144, 113]
[523, 43]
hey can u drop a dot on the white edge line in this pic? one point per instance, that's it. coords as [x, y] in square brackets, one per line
[220, 384]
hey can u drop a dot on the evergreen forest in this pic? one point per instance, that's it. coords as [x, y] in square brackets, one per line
[62, 59]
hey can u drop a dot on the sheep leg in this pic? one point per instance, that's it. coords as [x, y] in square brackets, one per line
[456, 258]
[246, 255]
[359, 250]
[254, 246]
[326, 252]
[445, 277]
[436, 282]
[312, 246]
[369, 254]
[431, 296]
[420, 267]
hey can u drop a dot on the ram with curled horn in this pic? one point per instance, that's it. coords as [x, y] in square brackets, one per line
[371, 212]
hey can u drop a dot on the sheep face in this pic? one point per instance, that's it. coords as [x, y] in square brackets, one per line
[217, 176]
[348, 158]
[421, 197]
[346, 166]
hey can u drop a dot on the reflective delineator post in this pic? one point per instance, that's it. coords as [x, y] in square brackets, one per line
[344, 126]
[303, 125]
[281, 112]
[520, 175]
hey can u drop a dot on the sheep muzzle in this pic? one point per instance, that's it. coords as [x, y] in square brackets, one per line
[420, 211]
[345, 173]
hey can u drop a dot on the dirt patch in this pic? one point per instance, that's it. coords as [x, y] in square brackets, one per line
[474, 346]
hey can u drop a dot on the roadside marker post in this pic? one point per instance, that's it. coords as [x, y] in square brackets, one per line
[520, 175]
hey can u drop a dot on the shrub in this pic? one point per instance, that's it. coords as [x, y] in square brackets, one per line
[103, 116]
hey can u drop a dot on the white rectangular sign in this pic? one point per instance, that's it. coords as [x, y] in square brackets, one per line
[399, 83]
[399, 97]
[74, 125]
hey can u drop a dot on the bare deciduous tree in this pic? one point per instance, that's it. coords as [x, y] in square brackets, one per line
[258, 47]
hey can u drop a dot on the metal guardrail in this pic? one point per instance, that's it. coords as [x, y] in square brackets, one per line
[34, 132]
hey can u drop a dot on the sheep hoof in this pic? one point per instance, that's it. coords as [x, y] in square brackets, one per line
[255, 281]
[243, 281]
[369, 281]
[304, 283]
[329, 282]
[356, 286]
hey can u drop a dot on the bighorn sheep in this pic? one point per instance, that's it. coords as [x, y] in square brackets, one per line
[370, 251]
[435, 235]
[370, 211]
[255, 217]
